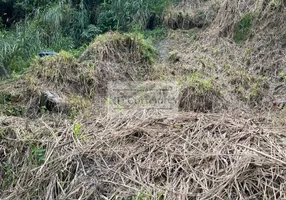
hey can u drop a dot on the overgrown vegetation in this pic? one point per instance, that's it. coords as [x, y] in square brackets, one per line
[61, 73]
[61, 138]
[67, 25]
[123, 15]
[116, 56]
[116, 47]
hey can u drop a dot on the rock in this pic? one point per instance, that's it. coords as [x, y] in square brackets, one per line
[52, 101]
[163, 49]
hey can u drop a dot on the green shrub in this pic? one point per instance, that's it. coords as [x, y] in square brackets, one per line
[14, 111]
[18, 45]
[9, 178]
[18, 64]
[243, 28]
[157, 34]
[37, 155]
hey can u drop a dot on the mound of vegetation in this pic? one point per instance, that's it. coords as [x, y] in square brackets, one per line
[119, 57]
[116, 47]
[234, 65]
[61, 73]
[200, 95]
[187, 15]
[60, 83]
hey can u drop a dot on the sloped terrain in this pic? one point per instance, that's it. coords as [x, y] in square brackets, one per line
[226, 141]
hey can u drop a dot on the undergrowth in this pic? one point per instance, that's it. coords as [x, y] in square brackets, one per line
[243, 28]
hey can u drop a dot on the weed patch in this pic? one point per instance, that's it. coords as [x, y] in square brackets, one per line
[37, 155]
[243, 28]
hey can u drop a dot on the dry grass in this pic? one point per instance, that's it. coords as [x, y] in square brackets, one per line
[115, 56]
[185, 156]
[189, 155]
[61, 73]
[200, 95]
[128, 56]
[188, 15]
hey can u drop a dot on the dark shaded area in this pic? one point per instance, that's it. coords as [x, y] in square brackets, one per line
[12, 12]
[3, 72]
[6, 12]
[152, 22]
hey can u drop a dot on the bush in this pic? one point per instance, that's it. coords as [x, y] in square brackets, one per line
[155, 35]
[19, 45]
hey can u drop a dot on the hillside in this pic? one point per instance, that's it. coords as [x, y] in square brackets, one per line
[63, 136]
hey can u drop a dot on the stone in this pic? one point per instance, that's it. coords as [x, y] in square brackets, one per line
[52, 101]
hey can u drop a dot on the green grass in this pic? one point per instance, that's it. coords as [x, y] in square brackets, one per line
[9, 178]
[243, 29]
[37, 155]
[155, 35]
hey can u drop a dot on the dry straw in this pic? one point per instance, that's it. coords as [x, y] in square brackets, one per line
[185, 156]
[137, 155]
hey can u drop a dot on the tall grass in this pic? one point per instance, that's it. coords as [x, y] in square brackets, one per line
[66, 25]
[57, 27]
[124, 14]
[19, 45]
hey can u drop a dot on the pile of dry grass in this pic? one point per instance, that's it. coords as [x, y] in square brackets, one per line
[61, 73]
[253, 41]
[229, 64]
[188, 15]
[187, 156]
[120, 56]
[200, 95]
[179, 156]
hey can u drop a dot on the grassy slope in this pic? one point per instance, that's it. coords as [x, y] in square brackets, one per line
[236, 153]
